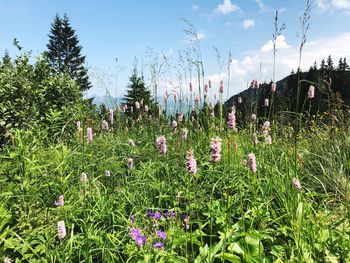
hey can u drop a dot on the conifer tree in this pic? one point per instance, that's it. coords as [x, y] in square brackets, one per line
[137, 92]
[64, 52]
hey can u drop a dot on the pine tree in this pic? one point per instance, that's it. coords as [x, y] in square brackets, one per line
[6, 59]
[64, 52]
[340, 65]
[137, 92]
[330, 63]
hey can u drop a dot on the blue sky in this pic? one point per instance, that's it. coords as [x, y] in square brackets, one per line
[126, 29]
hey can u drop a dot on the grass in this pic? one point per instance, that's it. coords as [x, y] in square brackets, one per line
[224, 213]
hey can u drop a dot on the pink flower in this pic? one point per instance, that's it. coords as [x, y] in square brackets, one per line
[60, 201]
[125, 108]
[61, 230]
[254, 84]
[146, 108]
[268, 139]
[254, 117]
[266, 103]
[89, 135]
[231, 123]
[273, 87]
[174, 125]
[105, 125]
[252, 162]
[191, 162]
[184, 134]
[131, 143]
[240, 100]
[311, 92]
[7, 260]
[215, 149]
[130, 163]
[111, 116]
[78, 125]
[266, 126]
[296, 183]
[83, 178]
[255, 139]
[137, 105]
[161, 145]
[221, 89]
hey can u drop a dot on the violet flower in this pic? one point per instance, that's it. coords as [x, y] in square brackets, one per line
[161, 145]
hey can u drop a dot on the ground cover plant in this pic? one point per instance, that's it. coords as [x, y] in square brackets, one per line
[203, 182]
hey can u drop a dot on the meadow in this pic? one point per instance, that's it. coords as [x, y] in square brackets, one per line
[160, 190]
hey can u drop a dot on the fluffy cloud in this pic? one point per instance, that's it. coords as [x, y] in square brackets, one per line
[248, 68]
[280, 43]
[261, 5]
[227, 7]
[332, 5]
[248, 23]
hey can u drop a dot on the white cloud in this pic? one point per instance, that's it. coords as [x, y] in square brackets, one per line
[227, 7]
[248, 23]
[200, 35]
[194, 7]
[280, 43]
[332, 5]
[261, 5]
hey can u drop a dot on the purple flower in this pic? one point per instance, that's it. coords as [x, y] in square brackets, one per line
[61, 230]
[161, 145]
[132, 218]
[252, 162]
[60, 201]
[135, 232]
[158, 245]
[140, 240]
[161, 234]
[215, 149]
[191, 162]
[150, 214]
[173, 214]
[157, 215]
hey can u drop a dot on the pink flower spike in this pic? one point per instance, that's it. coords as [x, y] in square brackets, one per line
[191, 162]
[252, 162]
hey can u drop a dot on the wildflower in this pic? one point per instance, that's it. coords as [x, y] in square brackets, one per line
[268, 139]
[107, 173]
[89, 135]
[196, 100]
[61, 230]
[180, 117]
[140, 240]
[111, 116]
[206, 87]
[174, 125]
[215, 149]
[221, 89]
[191, 163]
[311, 92]
[273, 87]
[252, 162]
[255, 139]
[161, 234]
[157, 215]
[231, 123]
[132, 218]
[7, 260]
[118, 108]
[78, 125]
[146, 108]
[60, 201]
[254, 117]
[134, 232]
[105, 125]
[158, 245]
[125, 108]
[137, 105]
[266, 103]
[131, 143]
[130, 163]
[254, 84]
[240, 100]
[150, 214]
[83, 178]
[266, 126]
[296, 183]
[161, 145]
[187, 222]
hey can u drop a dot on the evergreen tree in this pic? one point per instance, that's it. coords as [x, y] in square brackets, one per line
[138, 92]
[6, 59]
[340, 65]
[330, 63]
[323, 65]
[64, 52]
[345, 65]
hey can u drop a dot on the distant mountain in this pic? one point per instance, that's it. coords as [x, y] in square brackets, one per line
[109, 101]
